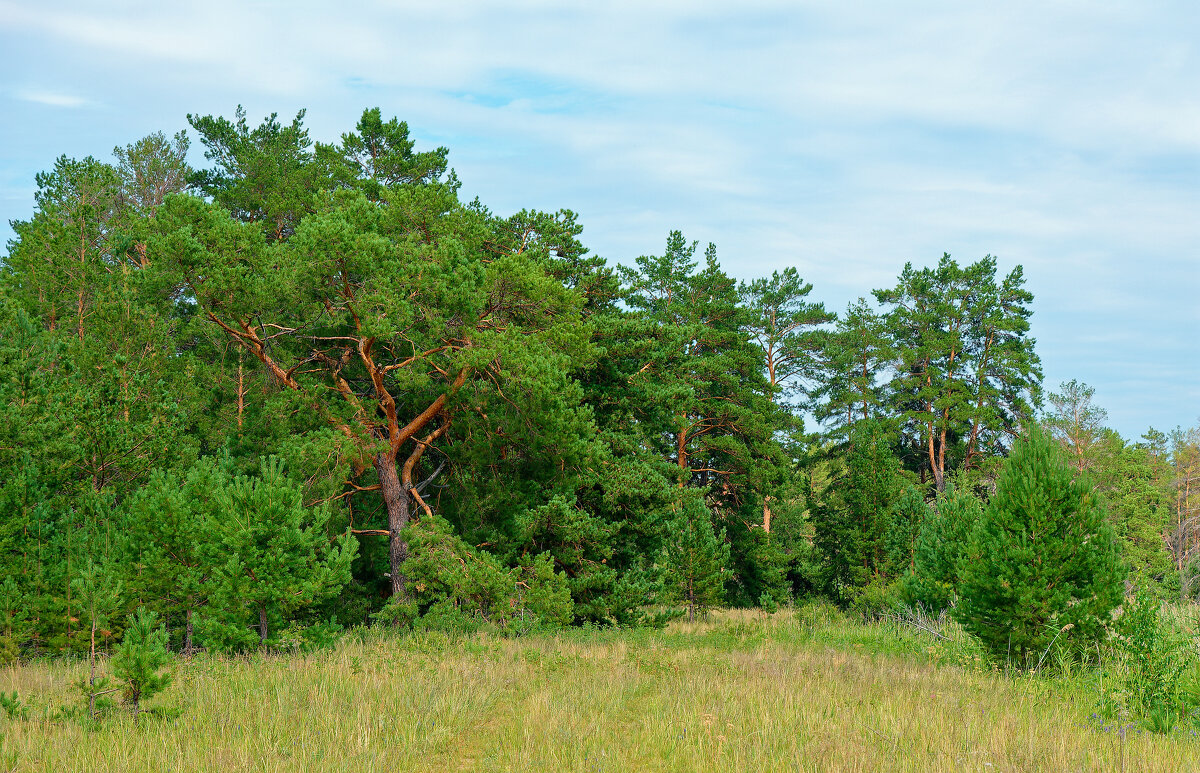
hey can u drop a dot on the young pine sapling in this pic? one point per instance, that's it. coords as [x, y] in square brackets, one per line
[139, 658]
[99, 592]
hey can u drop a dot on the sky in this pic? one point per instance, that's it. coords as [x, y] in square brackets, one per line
[844, 139]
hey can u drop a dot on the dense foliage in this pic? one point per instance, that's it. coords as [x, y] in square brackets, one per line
[1042, 564]
[309, 387]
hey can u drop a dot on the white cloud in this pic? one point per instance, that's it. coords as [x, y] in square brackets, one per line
[843, 139]
[51, 98]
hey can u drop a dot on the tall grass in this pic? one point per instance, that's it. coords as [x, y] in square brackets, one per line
[802, 690]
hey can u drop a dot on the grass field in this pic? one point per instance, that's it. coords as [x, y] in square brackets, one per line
[801, 690]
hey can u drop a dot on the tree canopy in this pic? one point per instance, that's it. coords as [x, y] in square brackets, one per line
[306, 385]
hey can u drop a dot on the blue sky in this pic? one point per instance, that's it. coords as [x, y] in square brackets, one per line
[841, 138]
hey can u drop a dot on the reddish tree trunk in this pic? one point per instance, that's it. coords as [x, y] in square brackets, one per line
[682, 456]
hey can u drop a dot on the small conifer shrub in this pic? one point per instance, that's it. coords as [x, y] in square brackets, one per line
[140, 657]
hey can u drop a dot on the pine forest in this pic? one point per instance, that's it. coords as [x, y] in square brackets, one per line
[306, 392]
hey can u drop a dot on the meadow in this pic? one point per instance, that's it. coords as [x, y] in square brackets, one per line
[804, 689]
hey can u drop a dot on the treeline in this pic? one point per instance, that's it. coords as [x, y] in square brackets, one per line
[309, 387]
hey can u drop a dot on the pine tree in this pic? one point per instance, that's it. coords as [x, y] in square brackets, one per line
[171, 526]
[151, 169]
[99, 593]
[380, 156]
[272, 556]
[696, 558]
[941, 544]
[1185, 505]
[700, 396]
[139, 658]
[1043, 564]
[783, 323]
[857, 352]
[966, 373]
[22, 523]
[263, 175]
[13, 613]
[1138, 504]
[1076, 422]
[358, 267]
[851, 516]
[703, 388]
[907, 517]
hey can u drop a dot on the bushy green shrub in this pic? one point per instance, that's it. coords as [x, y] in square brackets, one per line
[447, 617]
[879, 598]
[1156, 662]
[452, 586]
[818, 613]
[306, 637]
[9, 652]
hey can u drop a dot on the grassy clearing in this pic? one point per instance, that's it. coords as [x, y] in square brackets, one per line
[803, 690]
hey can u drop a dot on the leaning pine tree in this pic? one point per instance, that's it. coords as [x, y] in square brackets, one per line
[1044, 565]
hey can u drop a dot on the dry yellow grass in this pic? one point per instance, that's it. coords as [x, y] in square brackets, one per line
[736, 693]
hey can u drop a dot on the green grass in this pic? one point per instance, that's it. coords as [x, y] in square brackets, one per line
[802, 690]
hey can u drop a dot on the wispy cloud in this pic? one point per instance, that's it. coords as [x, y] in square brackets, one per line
[52, 98]
[843, 139]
